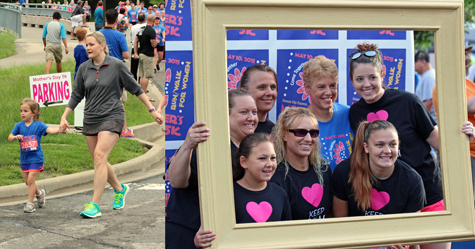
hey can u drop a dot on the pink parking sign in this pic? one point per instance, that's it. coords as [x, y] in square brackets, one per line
[51, 89]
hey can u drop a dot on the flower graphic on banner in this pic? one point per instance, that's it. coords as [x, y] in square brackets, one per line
[234, 79]
[168, 75]
[339, 148]
[166, 100]
[301, 90]
[289, 106]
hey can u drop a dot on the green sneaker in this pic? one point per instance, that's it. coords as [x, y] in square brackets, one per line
[119, 197]
[91, 210]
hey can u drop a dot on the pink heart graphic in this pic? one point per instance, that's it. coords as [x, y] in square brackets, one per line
[259, 212]
[379, 199]
[379, 115]
[313, 195]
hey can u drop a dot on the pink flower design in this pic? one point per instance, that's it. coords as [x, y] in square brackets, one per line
[168, 75]
[339, 148]
[301, 90]
[234, 79]
[289, 106]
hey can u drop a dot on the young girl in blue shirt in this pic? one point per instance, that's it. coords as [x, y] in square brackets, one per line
[29, 133]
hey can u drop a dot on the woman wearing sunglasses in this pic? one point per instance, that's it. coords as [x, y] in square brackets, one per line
[416, 128]
[321, 83]
[301, 170]
[183, 209]
[261, 82]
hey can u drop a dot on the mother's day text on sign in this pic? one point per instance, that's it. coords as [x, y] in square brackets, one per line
[51, 89]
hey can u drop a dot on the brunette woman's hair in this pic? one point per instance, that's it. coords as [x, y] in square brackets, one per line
[287, 119]
[246, 76]
[34, 107]
[236, 93]
[318, 68]
[361, 178]
[376, 61]
[245, 149]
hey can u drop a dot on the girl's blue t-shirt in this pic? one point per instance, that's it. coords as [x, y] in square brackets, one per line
[132, 15]
[336, 136]
[158, 31]
[30, 145]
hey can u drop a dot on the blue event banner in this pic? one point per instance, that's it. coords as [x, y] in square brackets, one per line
[179, 93]
[394, 61]
[307, 34]
[233, 35]
[290, 64]
[178, 21]
[376, 35]
[240, 60]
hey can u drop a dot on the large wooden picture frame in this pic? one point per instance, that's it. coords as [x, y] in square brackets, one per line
[211, 18]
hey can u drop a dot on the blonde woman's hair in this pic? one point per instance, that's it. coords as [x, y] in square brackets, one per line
[34, 107]
[287, 119]
[100, 39]
[318, 68]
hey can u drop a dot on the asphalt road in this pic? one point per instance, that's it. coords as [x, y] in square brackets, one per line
[58, 224]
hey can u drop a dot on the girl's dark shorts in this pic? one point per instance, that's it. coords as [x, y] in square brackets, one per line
[112, 125]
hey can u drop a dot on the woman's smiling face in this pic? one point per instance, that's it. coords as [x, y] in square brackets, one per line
[368, 82]
[243, 117]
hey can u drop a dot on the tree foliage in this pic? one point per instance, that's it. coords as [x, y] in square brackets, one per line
[425, 39]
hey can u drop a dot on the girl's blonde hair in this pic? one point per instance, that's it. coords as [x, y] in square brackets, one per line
[100, 39]
[34, 107]
[292, 117]
[361, 178]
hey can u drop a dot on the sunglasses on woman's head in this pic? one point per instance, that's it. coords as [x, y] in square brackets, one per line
[303, 132]
[369, 53]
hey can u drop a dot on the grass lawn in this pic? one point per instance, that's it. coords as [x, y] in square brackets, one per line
[64, 153]
[7, 47]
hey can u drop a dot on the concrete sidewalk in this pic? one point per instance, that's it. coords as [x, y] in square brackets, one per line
[29, 49]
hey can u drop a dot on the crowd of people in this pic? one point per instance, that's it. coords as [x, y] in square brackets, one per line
[387, 169]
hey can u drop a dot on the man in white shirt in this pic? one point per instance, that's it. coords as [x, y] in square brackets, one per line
[427, 82]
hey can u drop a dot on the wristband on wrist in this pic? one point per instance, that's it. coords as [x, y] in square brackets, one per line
[151, 110]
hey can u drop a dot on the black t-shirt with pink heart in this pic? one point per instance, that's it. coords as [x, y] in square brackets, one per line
[309, 198]
[269, 204]
[402, 192]
[414, 125]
